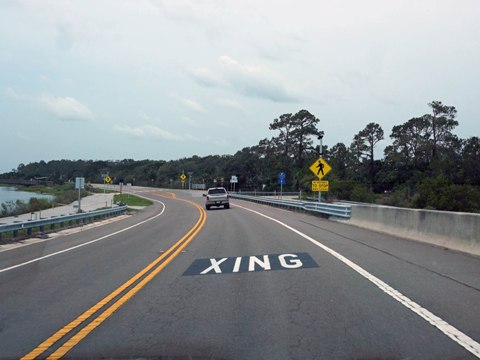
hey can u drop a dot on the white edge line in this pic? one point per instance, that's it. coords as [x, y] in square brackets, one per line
[453, 333]
[84, 244]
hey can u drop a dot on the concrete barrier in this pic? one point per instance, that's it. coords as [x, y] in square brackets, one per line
[453, 230]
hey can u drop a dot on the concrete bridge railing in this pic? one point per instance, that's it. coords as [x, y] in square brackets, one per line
[454, 230]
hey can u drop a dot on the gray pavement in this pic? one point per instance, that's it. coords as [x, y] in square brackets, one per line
[186, 310]
[89, 203]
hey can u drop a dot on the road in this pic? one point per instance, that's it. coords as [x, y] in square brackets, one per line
[252, 282]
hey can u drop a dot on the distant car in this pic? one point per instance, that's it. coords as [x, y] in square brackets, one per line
[217, 196]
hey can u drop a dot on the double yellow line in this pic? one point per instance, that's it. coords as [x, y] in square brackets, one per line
[128, 289]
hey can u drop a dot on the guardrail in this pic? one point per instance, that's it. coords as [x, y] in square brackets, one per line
[62, 220]
[343, 211]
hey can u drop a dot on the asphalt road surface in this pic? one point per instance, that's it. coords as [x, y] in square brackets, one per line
[252, 282]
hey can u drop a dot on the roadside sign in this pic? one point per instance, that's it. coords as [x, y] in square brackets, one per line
[282, 178]
[234, 179]
[320, 186]
[320, 168]
[79, 183]
[183, 177]
[108, 179]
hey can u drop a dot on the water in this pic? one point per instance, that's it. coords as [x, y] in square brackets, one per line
[12, 194]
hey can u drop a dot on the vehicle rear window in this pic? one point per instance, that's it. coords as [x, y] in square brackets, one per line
[216, 191]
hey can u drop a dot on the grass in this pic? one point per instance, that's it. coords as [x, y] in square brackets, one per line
[101, 190]
[50, 190]
[132, 200]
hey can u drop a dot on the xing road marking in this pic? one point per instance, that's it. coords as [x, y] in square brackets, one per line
[129, 289]
[84, 244]
[251, 264]
[456, 335]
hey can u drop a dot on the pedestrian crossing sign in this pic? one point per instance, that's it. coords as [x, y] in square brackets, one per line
[320, 168]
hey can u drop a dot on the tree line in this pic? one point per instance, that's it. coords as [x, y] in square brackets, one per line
[425, 166]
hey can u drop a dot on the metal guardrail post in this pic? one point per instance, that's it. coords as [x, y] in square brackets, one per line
[338, 210]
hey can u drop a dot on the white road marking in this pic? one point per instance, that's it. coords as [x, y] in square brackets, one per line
[84, 244]
[236, 267]
[453, 333]
[295, 264]
[215, 266]
[265, 264]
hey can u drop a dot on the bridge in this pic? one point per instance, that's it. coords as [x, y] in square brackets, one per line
[37, 181]
[250, 282]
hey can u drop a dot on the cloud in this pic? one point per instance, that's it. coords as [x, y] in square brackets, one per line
[148, 131]
[188, 121]
[189, 103]
[255, 81]
[137, 132]
[193, 105]
[155, 131]
[205, 77]
[248, 80]
[65, 108]
[12, 94]
[231, 104]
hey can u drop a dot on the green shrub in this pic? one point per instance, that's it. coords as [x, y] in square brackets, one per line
[399, 197]
[351, 190]
[440, 194]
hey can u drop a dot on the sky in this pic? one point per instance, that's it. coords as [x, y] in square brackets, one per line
[164, 80]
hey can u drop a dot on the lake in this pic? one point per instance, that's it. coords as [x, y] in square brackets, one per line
[12, 194]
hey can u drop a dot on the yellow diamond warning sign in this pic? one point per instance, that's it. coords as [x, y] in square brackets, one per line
[320, 168]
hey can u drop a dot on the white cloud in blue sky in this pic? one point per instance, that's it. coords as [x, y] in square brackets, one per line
[148, 131]
[65, 108]
[116, 79]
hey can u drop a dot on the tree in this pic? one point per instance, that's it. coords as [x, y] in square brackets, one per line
[364, 143]
[442, 122]
[371, 135]
[338, 156]
[411, 142]
[245, 163]
[305, 126]
[294, 140]
[471, 161]
[284, 124]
